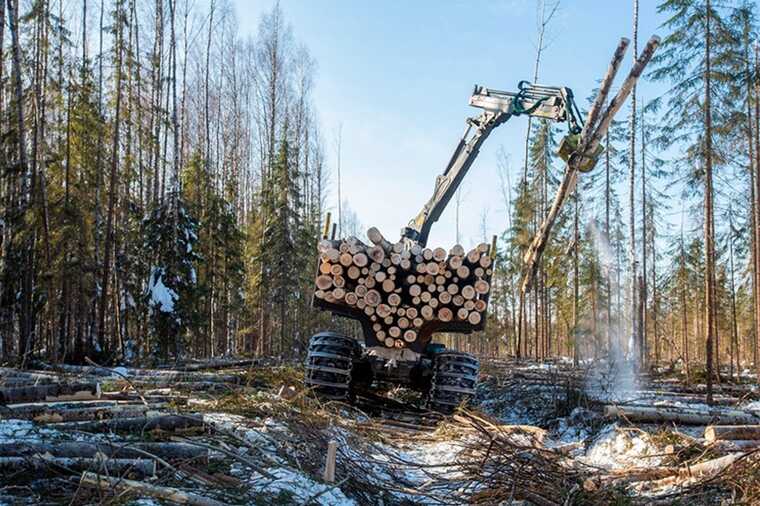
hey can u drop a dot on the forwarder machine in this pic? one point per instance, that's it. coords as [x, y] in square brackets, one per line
[337, 365]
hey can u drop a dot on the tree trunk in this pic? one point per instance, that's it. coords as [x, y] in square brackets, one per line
[710, 324]
[113, 188]
[631, 198]
[26, 324]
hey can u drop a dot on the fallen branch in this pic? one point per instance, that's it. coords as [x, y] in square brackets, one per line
[141, 489]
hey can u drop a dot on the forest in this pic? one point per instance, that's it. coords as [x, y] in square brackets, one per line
[177, 253]
[165, 183]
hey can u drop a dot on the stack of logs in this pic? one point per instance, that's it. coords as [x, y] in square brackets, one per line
[401, 288]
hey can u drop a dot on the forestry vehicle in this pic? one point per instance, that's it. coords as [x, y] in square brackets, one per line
[388, 287]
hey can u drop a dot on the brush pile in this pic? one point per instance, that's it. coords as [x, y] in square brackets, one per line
[403, 292]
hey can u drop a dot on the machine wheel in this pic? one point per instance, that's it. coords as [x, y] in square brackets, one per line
[455, 376]
[329, 363]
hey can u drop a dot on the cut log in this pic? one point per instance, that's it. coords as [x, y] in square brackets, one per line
[372, 298]
[360, 259]
[439, 254]
[332, 255]
[737, 445]
[474, 318]
[482, 286]
[140, 489]
[376, 253]
[324, 282]
[61, 391]
[732, 432]
[346, 259]
[168, 423]
[457, 250]
[662, 414]
[353, 272]
[43, 464]
[701, 471]
[445, 314]
[78, 415]
[410, 336]
[128, 450]
[468, 292]
[383, 310]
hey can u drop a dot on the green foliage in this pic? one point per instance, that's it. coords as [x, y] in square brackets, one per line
[170, 234]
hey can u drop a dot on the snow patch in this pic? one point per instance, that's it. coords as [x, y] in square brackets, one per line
[12, 431]
[618, 448]
[161, 295]
[304, 488]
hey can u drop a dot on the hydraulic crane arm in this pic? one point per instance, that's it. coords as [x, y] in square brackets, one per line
[546, 102]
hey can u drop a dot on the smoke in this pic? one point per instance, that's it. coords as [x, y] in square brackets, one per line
[613, 378]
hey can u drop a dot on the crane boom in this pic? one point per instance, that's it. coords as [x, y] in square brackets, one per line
[498, 107]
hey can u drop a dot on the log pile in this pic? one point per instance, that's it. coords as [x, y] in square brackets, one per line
[136, 431]
[404, 291]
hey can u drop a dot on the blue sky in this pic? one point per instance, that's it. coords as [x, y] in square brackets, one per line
[397, 76]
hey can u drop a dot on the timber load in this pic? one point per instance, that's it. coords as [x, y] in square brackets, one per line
[402, 293]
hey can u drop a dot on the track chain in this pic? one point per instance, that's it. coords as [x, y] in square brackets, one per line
[328, 365]
[455, 376]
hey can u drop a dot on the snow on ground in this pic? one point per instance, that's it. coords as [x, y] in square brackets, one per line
[242, 427]
[24, 430]
[304, 490]
[288, 484]
[618, 447]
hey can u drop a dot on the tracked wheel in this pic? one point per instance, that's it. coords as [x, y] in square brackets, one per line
[455, 376]
[329, 363]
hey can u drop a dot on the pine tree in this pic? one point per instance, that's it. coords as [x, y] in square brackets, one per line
[694, 58]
